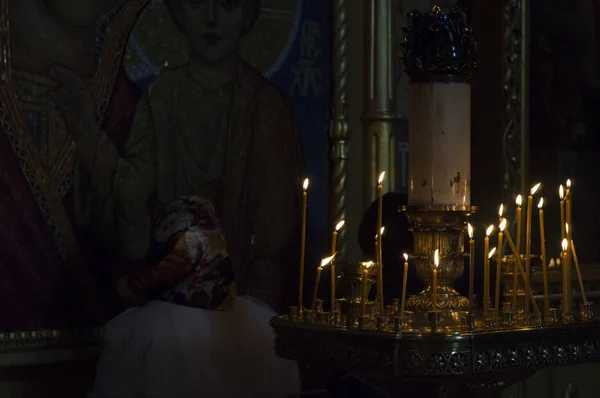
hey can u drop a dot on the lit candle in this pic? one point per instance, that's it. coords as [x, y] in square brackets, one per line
[365, 293]
[303, 242]
[403, 300]
[500, 213]
[528, 241]
[471, 267]
[436, 263]
[515, 290]
[569, 208]
[519, 202]
[543, 250]
[578, 272]
[486, 271]
[379, 249]
[498, 270]
[566, 273]
[380, 269]
[338, 226]
[518, 265]
[324, 262]
[561, 195]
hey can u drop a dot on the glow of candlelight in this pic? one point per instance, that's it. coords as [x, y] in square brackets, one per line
[519, 200]
[405, 257]
[541, 203]
[381, 178]
[436, 258]
[561, 192]
[305, 184]
[436, 263]
[565, 244]
[489, 230]
[470, 229]
[568, 183]
[502, 225]
[501, 210]
[339, 225]
[327, 260]
[491, 254]
[535, 188]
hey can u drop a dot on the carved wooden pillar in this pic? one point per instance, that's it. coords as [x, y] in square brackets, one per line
[338, 125]
[379, 117]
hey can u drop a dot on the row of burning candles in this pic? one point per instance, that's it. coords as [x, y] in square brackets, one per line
[568, 256]
[329, 260]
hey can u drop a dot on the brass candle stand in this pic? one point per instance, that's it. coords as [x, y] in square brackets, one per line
[438, 227]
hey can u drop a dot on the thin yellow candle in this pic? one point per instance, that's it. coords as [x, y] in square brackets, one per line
[578, 272]
[303, 242]
[471, 267]
[436, 263]
[519, 265]
[543, 250]
[324, 262]
[338, 226]
[561, 195]
[379, 249]
[519, 202]
[490, 255]
[404, 279]
[486, 271]
[567, 280]
[569, 221]
[528, 241]
[365, 293]
[498, 274]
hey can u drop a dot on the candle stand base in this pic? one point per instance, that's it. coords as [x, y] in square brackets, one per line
[413, 363]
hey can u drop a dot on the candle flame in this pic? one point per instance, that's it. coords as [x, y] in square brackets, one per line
[470, 229]
[405, 256]
[381, 231]
[381, 177]
[565, 244]
[491, 253]
[367, 264]
[561, 192]
[519, 200]
[327, 260]
[489, 230]
[501, 210]
[535, 188]
[568, 183]
[339, 225]
[436, 258]
[502, 225]
[567, 228]
[541, 203]
[305, 184]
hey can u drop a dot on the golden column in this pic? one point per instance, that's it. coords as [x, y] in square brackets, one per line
[338, 125]
[380, 117]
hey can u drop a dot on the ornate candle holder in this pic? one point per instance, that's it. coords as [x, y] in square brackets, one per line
[439, 227]
[350, 287]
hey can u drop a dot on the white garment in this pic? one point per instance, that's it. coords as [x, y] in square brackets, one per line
[164, 350]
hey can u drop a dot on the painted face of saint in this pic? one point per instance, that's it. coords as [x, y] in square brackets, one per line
[213, 27]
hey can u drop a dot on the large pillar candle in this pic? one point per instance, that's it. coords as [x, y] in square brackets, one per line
[440, 141]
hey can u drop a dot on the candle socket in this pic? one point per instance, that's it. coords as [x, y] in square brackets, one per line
[323, 317]
[382, 323]
[552, 316]
[318, 305]
[471, 316]
[294, 314]
[398, 324]
[309, 316]
[587, 311]
[508, 318]
[363, 322]
[435, 318]
[567, 317]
